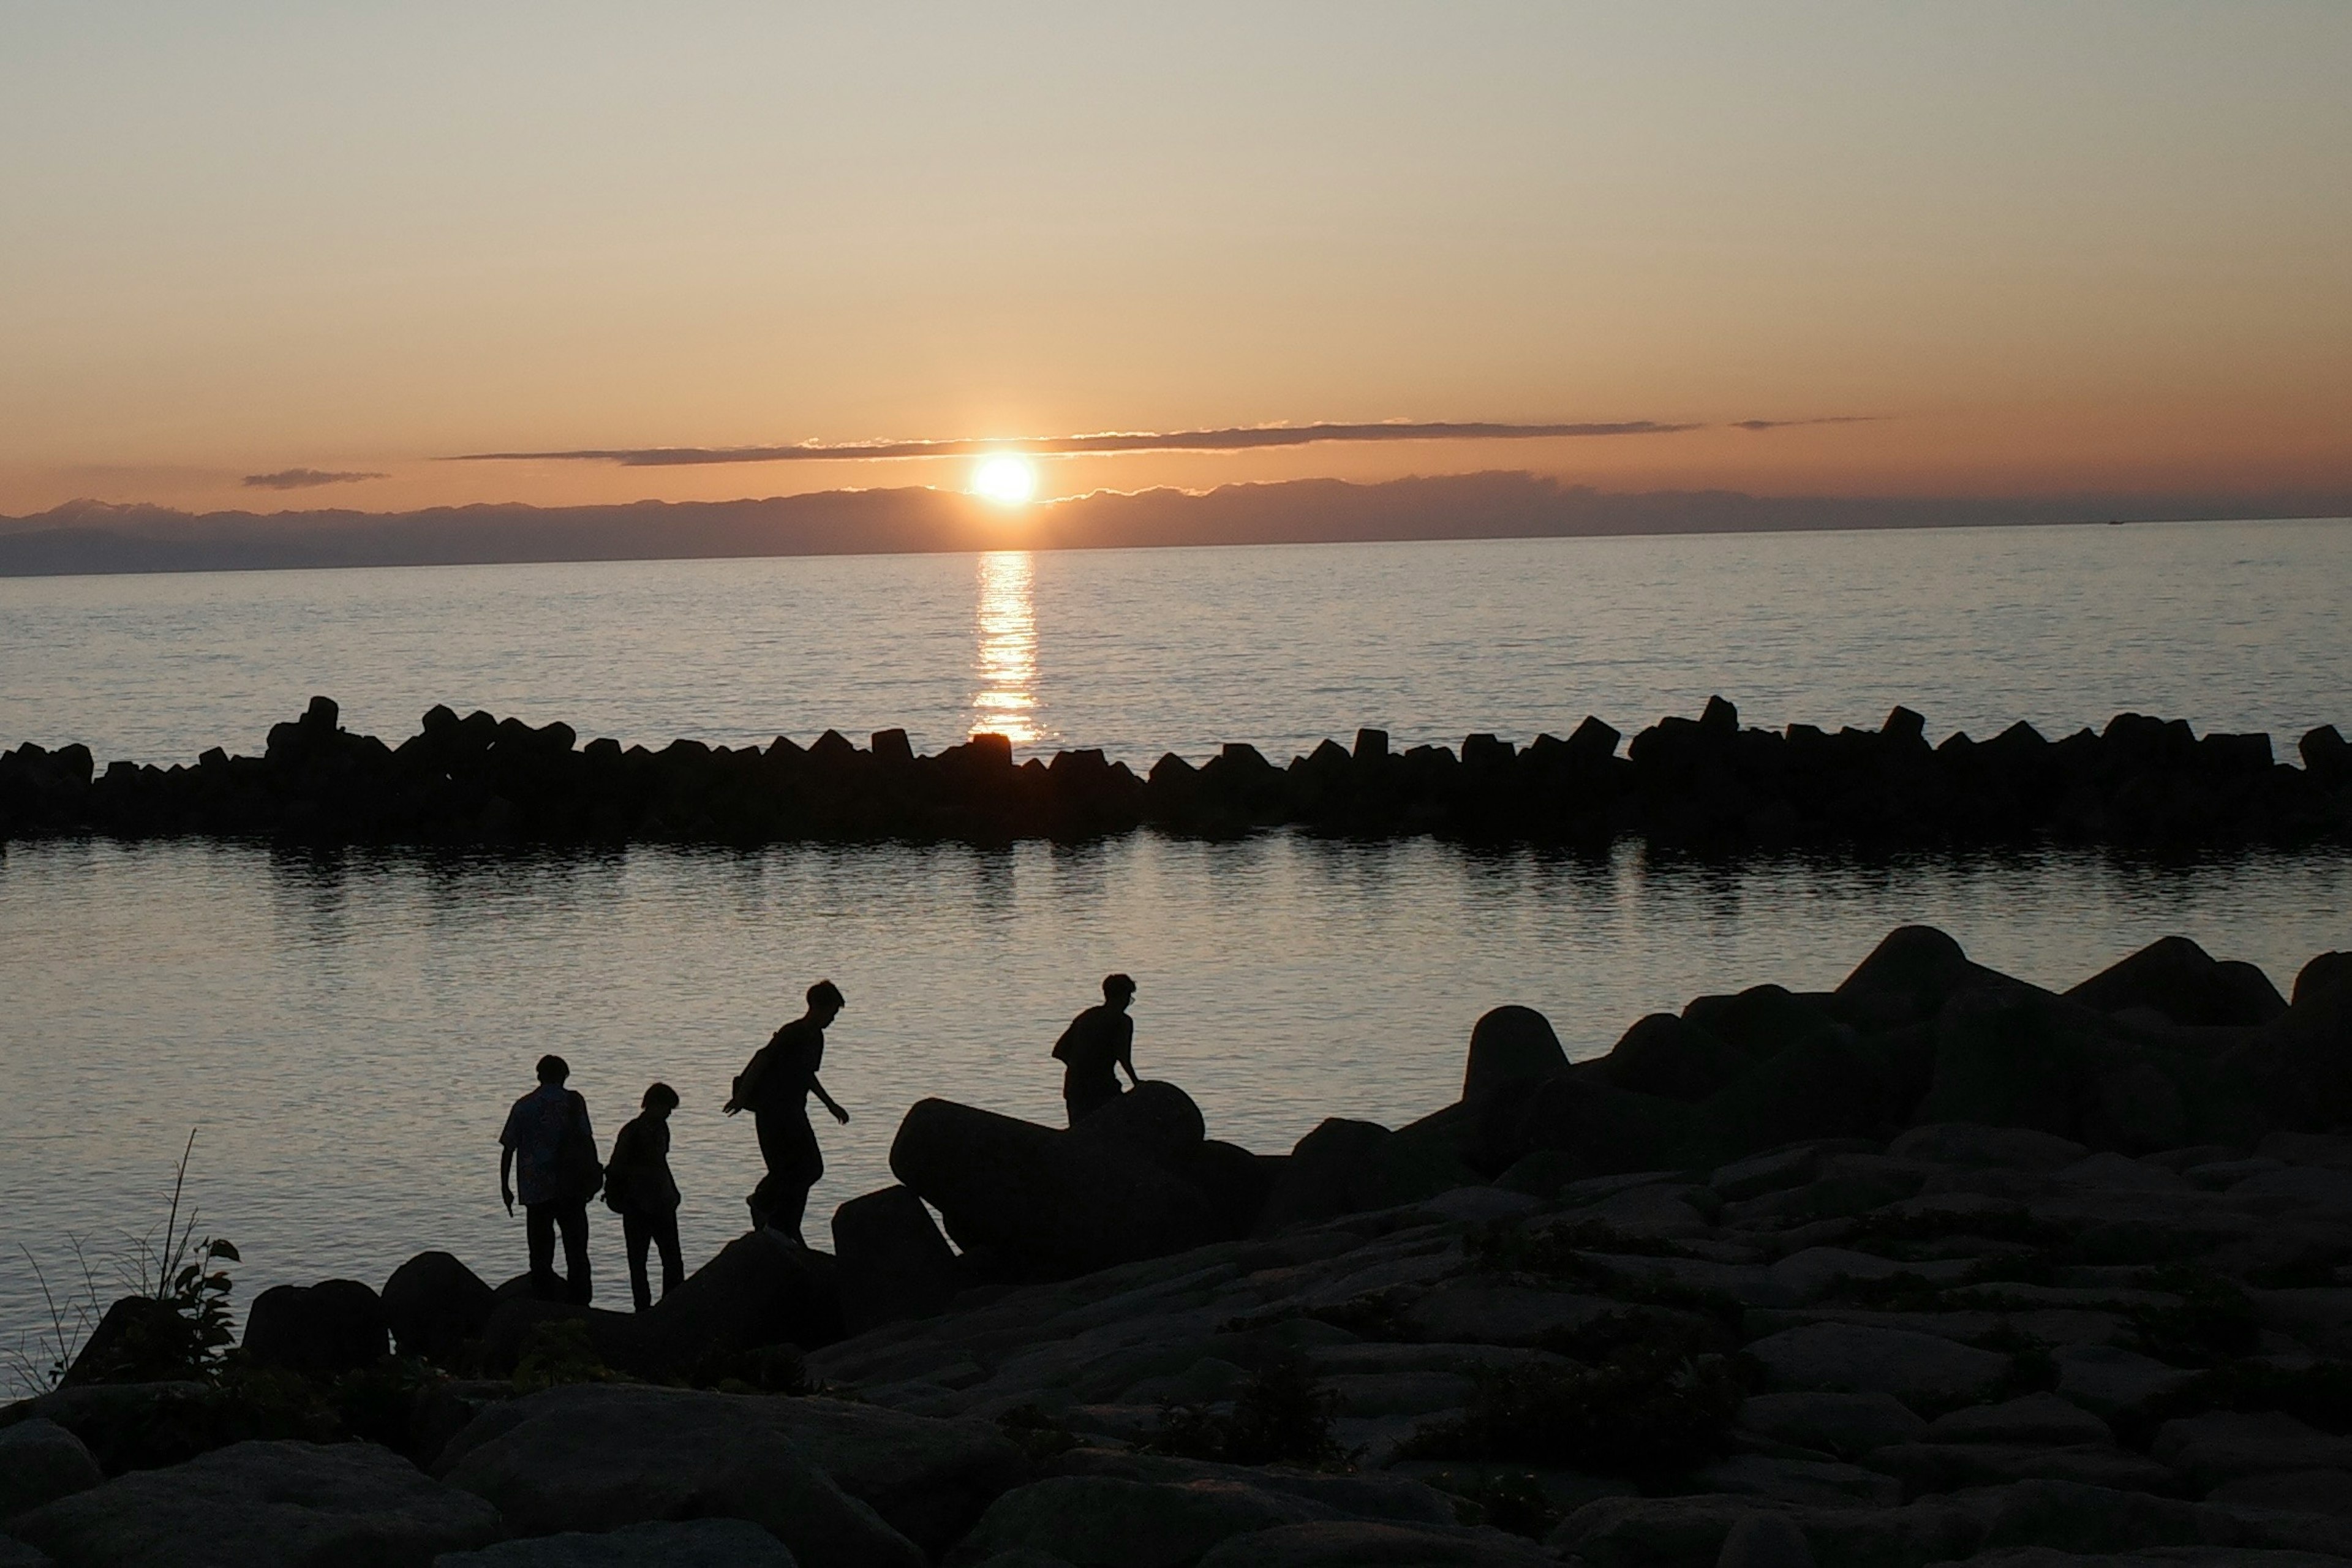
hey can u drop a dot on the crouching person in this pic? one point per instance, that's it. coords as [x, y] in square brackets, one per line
[638, 1187]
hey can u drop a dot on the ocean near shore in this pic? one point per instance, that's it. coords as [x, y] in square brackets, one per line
[345, 1027]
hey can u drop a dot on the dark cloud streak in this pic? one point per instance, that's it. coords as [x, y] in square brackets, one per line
[305, 479]
[1238, 438]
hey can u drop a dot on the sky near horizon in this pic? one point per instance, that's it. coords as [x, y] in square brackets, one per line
[2018, 248]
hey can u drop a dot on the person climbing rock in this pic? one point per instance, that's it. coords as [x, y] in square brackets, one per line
[774, 1087]
[639, 1188]
[548, 1147]
[1099, 1041]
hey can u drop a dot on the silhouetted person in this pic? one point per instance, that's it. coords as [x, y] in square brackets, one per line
[547, 1136]
[774, 1087]
[638, 1187]
[1099, 1041]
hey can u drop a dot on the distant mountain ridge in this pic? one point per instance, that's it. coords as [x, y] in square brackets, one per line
[91, 537]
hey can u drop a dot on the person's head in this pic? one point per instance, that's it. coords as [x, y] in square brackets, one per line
[553, 1069]
[1118, 990]
[825, 1000]
[659, 1102]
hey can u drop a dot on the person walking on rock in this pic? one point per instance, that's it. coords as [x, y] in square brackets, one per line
[639, 1188]
[548, 1144]
[1099, 1041]
[774, 1087]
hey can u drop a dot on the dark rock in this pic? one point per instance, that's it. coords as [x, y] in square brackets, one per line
[1510, 1045]
[693, 1544]
[1236, 1183]
[1846, 1357]
[2182, 981]
[320, 1331]
[597, 1457]
[2324, 973]
[41, 1462]
[140, 1339]
[1366, 1543]
[1599, 1129]
[281, 1502]
[1975, 1144]
[1154, 1119]
[1846, 1425]
[1664, 1055]
[1060, 1204]
[758, 1290]
[1764, 1540]
[433, 1303]
[1105, 1519]
[891, 1259]
[1351, 1167]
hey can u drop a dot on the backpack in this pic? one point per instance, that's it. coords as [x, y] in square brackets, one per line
[577, 1168]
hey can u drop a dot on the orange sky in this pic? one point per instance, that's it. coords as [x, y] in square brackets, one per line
[2043, 248]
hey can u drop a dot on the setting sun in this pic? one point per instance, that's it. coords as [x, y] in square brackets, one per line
[1005, 479]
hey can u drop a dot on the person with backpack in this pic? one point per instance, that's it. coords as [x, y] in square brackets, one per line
[774, 1087]
[639, 1188]
[1099, 1045]
[548, 1144]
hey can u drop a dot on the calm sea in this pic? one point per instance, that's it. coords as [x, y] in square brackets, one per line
[345, 1031]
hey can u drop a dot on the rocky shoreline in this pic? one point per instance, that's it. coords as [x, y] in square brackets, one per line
[1704, 783]
[1936, 1268]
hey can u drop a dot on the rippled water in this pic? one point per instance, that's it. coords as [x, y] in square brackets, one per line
[345, 1031]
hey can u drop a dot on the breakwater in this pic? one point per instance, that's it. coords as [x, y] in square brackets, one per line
[1705, 781]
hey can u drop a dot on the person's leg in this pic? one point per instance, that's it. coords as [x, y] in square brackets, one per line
[538, 1233]
[573, 1219]
[637, 1232]
[665, 1234]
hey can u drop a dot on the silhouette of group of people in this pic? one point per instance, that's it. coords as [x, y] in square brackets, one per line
[547, 1147]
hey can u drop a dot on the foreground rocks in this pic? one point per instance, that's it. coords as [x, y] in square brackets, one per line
[1704, 782]
[1934, 1267]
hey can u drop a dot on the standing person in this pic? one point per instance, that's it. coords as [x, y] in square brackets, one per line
[639, 1188]
[1097, 1040]
[547, 1136]
[774, 1087]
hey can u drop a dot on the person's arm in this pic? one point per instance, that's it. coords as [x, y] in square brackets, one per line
[1127, 1050]
[506, 1174]
[818, 1090]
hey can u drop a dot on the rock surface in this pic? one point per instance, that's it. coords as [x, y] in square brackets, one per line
[284, 1502]
[692, 1544]
[41, 1462]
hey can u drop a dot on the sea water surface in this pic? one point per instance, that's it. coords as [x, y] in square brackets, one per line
[343, 1031]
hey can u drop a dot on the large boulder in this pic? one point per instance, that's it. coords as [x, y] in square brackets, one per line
[1762, 1020]
[41, 1462]
[891, 1259]
[1596, 1129]
[303, 1504]
[2181, 980]
[929, 1480]
[1909, 977]
[1673, 1058]
[433, 1303]
[1510, 1045]
[1853, 1358]
[1058, 1203]
[1236, 1181]
[1106, 1522]
[320, 1331]
[140, 1339]
[758, 1290]
[1351, 1167]
[690, 1544]
[149, 1425]
[598, 1456]
[1370, 1543]
[1155, 1120]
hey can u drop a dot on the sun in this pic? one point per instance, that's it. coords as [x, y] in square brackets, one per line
[1006, 479]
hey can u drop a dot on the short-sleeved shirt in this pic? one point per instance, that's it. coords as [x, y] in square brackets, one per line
[534, 1130]
[778, 1077]
[1096, 1041]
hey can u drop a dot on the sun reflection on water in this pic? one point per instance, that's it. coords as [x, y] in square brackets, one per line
[1005, 703]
